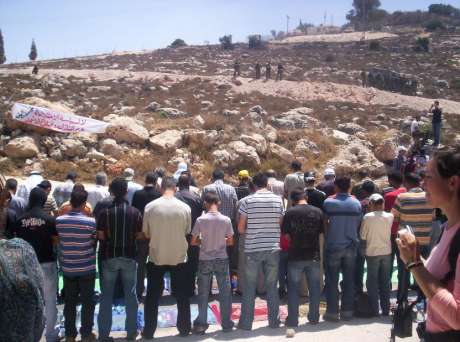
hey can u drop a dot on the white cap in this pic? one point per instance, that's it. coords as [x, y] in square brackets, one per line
[329, 172]
[402, 148]
[375, 198]
[128, 174]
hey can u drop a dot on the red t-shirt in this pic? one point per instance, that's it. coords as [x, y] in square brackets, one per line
[390, 199]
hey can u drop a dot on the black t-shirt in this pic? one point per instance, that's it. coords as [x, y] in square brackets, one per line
[143, 197]
[37, 228]
[315, 197]
[303, 223]
[193, 201]
[437, 115]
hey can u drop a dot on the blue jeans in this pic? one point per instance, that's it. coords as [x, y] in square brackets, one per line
[50, 292]
[437, 133]
[359, 271]
[336, 262]
[268, 261]
[295, 272]
[206, 269]
[283, 271]
[378, 282]
[127, 268]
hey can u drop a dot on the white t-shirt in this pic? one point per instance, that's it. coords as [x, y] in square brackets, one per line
[376, 231]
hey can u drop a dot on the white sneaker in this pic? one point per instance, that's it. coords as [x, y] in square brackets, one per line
[290, 333]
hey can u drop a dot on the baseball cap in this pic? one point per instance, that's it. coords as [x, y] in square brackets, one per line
[329, 172]
[243, 174]
[309, 176]
[375, 198]
[128, 174]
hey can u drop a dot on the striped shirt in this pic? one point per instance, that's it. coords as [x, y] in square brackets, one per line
[263, 211]
[77, 236]
[50, 205]
[227, 196]
[120, 224]
[411, 208]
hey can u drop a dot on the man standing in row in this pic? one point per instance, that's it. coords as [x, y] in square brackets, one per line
[167, 222]
[293, 181]
[118, 228]
[260, 218]
[344, 215]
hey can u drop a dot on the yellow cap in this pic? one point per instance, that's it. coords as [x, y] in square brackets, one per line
[243, 174]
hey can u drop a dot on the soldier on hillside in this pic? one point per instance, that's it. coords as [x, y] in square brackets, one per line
[236, 68]
[364, 78]
[258, 70]
[268, 71]
[279, 73]
[35, 70]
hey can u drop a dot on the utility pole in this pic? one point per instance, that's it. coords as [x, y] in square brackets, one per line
[364, 20]
[287, 24]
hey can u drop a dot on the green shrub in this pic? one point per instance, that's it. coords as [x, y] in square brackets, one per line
[178, 43]
[374, 45]
[255, 41]
[434, 25]
[226, 42]
[422, 44]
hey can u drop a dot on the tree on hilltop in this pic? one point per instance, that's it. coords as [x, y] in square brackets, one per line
[365, 12]
[2, 49]
[33, 51]
[226, 42]
[178, 43]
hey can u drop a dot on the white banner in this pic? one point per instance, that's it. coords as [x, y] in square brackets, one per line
[56, 121]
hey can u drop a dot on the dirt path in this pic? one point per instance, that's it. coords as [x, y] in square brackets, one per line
[300, 91]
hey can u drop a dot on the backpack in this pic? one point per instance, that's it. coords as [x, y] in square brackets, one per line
[454, 251]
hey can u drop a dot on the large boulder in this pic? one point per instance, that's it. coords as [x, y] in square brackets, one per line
[88, 139]
[221, 158]
[257, 141]
[22, 148]
[111, 148]
[169, 140]
[198, 137]
[386, 151]
[306, 147]
[126, 129]
[350, 128]
[242, 153]
[73, 148]
[281, 152]
[295, 118]
[172, 113]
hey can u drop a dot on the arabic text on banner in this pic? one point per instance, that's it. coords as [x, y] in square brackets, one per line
[56, 121]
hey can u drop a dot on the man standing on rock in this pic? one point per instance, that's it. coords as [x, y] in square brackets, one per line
[236, 68]
[260, 218]
[167, 222]
[258, 70]
[436, 121]
[268, 71]
[279, 73]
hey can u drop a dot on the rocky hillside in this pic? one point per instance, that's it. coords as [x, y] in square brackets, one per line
[182, 104]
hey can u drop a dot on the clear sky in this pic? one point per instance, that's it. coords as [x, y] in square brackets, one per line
[65, 28]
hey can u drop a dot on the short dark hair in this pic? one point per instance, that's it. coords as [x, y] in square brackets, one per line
[78, 187]
[368, 186]
[72, 175]
[168, 183]
[151, 178]
[78, 198]
[160, 171]
[395, 177]
[436, 103]
[297, 195]
[183, 182]
[271, 173]
[260, 180]
[11, 184]
[37, 198]
[218, 174]
[296, 165]
[363, 173]
[211, 197]
[101, 178]
[412, 179]
[119, 188]
[45, 184]
[343, 183]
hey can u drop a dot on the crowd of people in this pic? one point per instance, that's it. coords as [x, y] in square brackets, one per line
[277, 238]
[258, 70]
